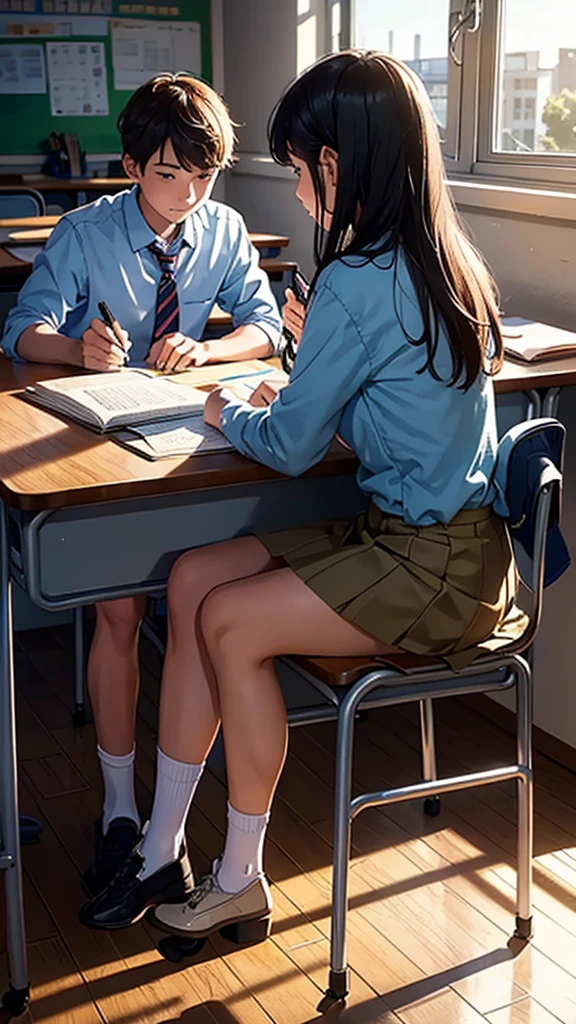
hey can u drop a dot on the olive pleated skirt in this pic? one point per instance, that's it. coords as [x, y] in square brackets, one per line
[448, 591]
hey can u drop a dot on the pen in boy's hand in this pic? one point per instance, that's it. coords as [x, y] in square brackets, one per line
[113, 324]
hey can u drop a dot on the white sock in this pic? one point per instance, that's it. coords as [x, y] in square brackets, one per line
[176, 784]
[242, 860]
[118, 776]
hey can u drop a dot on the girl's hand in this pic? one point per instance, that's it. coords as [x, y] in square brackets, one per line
[293, 314]
[213, 408]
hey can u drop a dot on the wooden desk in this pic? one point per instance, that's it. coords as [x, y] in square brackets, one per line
[16, 223]
[554, 373]
[59, 464]
[82, 519]
[44, 183]
[34, 229]
[14, 269]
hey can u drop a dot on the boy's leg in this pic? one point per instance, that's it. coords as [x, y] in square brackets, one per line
[189, 721]
[113, 683]
[245, 625]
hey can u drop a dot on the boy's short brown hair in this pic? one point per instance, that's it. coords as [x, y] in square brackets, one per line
[186, 111]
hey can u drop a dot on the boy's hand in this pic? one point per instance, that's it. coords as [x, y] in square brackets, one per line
[100, 349]
[293, 314]
[175, 352]
[266, 392]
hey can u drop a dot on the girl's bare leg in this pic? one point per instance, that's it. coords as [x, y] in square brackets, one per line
[189, 707]
[244, 626]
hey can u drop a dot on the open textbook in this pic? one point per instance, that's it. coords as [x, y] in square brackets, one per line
[122, 398]
[109, 400]
[530, 342]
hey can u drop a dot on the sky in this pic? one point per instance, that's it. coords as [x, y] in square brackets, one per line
[526, 29]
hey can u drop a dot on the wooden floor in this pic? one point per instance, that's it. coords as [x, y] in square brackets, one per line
[432, 900]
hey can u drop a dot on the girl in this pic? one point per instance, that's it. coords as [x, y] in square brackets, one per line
[395, 357]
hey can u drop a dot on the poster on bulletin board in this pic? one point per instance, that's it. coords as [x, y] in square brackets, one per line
[77, 76]
[136, 41]
[141, 49]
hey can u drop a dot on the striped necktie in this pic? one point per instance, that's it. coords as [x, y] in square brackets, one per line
[167, 313]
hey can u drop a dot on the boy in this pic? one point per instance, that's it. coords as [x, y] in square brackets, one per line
[160, 255]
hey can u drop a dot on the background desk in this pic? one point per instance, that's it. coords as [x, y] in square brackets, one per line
[37, 230]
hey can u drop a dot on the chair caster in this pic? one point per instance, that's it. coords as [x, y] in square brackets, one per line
[15, 1001]
[30, 829]
[79, 716]
[432, 806]
[176, 949]
[338, 988]
[524, 929]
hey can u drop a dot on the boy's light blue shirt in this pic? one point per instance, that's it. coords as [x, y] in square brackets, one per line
[100, 252]
[426, 450]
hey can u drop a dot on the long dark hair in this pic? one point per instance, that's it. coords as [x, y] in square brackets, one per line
[391, 194]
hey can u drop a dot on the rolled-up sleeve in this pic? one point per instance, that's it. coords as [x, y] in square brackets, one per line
[57, 285]
[245, 292]
[332, 363]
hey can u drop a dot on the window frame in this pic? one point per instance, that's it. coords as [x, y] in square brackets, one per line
[473, 106]
[543, 168]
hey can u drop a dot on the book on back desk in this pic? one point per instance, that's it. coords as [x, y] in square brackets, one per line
[530, 342]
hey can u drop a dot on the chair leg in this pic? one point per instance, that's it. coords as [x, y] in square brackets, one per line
[432, 803]
[79, 716]
[525, 803]
[339, 978]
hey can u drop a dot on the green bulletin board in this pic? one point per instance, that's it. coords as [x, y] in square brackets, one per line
[26, 121]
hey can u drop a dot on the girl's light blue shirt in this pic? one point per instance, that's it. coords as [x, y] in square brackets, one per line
[426, 450]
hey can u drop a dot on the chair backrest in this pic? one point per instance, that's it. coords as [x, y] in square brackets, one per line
[529, 480]
[22, 202]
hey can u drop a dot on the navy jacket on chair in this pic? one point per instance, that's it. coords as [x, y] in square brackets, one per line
[521, 452]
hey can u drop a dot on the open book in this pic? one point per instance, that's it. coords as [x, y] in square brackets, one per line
[531, 342]
[122, 398]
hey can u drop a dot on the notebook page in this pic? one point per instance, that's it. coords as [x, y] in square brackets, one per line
[185, 436]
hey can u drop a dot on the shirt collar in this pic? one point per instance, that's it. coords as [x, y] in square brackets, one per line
[140, 234]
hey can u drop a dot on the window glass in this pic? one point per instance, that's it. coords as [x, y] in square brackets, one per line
[417, 33]
[536, 108]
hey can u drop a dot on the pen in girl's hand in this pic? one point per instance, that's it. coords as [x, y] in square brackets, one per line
[113, 324]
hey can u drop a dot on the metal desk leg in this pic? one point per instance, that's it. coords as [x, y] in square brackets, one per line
[16, 999]
[550, 405]
[534, 410]
[79, 716]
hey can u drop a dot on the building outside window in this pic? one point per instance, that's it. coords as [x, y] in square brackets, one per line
[417, 33]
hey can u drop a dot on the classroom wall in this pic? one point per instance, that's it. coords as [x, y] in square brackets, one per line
[260, 60]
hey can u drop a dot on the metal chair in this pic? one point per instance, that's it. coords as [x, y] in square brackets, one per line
[353, 685]
[22, 202]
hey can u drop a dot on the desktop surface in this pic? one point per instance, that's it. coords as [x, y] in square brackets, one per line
[47, 462]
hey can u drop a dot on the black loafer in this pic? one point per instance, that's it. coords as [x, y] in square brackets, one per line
[111, 850]
[127, 898]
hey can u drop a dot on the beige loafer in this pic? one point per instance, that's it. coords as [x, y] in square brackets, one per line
[242, 917]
